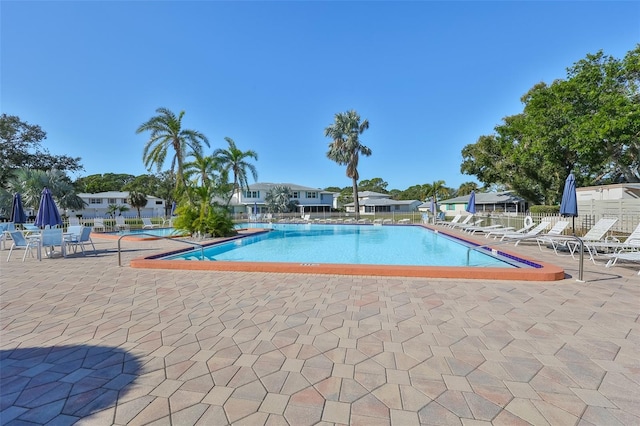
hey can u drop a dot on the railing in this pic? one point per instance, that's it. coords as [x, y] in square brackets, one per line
[157, 237]
[568, 237]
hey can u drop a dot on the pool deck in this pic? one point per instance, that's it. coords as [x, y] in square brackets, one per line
[87, 342]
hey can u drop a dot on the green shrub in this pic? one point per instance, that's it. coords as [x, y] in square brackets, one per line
[544, 209]
[216, 222]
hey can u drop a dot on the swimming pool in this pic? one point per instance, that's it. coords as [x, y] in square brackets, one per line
[143, 234]
[510, 266]
[351, 244]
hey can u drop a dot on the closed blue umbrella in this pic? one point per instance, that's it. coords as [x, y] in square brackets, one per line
[569, 203]
[48, 213]
[255, 208]
[17, 211]
[471, 205]
[173, 208]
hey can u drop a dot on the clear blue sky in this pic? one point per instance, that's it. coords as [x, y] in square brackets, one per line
[431, 77]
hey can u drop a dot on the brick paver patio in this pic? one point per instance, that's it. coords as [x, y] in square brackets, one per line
[87, 342]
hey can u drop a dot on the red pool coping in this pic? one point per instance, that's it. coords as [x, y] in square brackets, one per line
[546, 271]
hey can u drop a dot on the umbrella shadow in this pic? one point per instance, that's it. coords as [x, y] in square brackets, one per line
[62, 384]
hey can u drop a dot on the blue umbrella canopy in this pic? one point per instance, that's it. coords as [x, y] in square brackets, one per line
[569, 203]
[48, 213]
[471, 205]
[17, 211]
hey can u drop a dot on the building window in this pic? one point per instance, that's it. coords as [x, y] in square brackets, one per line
[158, 202]
[252, 194]
[312, 195]
[95, 200]
[295, 194]
[112, 201]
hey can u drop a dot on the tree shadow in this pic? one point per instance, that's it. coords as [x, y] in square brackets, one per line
[62, 384]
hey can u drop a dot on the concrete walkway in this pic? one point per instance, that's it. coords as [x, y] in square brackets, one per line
[87, 342]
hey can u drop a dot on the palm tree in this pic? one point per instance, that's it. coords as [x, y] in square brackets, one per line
[233, 160]
[278, 199]
[202, 169]
[466, 188]
[346, 147]
[167, 132]
[137, 200]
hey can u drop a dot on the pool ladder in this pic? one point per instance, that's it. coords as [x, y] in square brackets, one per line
[568, 237]
[156, 237]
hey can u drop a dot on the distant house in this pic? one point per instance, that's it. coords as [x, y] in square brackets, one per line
[374, 202]
[619, 191]
[96, 205]
[621, 200]
[504, 201]
[310, 200]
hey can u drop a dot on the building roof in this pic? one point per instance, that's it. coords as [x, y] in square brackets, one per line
[111, 194]
[383, 202]
[503, 197]
[268, 186]
[372, 194]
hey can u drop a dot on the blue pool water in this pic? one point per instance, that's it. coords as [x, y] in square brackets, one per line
[349, 244]
[156, 232]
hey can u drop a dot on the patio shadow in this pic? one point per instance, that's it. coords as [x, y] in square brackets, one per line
[62, 384]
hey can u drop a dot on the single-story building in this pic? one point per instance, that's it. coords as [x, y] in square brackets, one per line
[97, 205]
[375, 202]
[502, 202]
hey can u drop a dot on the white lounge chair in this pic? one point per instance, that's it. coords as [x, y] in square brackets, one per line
[633, 256]
[597, 233]
[517, 237]
[500, 232]
[489, 228]
[554, 236]
[444, 221]
[147, 224]
[462, 224]
[632, 242]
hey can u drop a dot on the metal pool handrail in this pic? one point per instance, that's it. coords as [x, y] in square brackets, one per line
[568, 237]
[158, 237]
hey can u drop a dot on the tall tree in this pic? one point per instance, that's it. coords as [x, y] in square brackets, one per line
[103, 182]
[588, 124]
[375, 185]
[346, 148]
[20, 145]
[166, 133]
[235, 161]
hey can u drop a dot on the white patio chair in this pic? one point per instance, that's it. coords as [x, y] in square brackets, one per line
[147, 224]
[20, 241]
[83, 238]
[98, 225]
[121, 225]
[52, 238]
